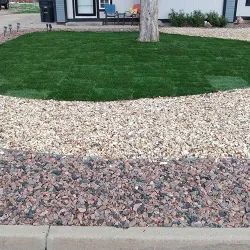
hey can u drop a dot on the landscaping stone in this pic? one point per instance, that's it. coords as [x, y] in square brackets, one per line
[240, 20]
[160, 23]
[207, 24]
[248, 206]
[232, 31]
[109, 196]
[215, 125]
[179, 162]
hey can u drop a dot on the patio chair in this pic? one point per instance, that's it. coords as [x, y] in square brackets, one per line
[137, 8]
[109, 11]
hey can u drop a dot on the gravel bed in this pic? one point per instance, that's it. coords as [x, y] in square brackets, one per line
[211, 124]
[239, 33]
[42, 189]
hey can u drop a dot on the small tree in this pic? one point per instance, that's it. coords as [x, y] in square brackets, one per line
[149, 31]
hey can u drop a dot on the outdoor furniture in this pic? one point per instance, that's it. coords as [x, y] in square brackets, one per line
[119, 17]
[134, 15]
[109, 11]
[138, 7]
[127, 16]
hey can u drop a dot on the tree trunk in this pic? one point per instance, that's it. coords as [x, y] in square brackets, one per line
[149, 31]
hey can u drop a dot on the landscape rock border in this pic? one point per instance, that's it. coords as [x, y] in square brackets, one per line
[105, 238]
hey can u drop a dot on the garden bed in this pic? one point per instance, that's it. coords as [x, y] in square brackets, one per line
[57, 190]
[200, 125]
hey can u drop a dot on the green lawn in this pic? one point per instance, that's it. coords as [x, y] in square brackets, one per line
[25, 8]
[110, 66]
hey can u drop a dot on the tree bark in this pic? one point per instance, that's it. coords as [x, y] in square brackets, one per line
[149, 31]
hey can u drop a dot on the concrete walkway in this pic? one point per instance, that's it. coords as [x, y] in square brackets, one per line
[109, 238]
[33, 21]
[26, 20]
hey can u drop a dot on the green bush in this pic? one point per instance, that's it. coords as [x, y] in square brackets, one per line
[216, 20]
[177, 19]
[196, 19]
[213, 18]
[223, 21]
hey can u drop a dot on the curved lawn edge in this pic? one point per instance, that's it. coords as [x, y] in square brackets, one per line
[186, 31]
[209, 94]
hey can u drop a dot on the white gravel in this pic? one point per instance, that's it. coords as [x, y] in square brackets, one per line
[213, 124]
[226, 33]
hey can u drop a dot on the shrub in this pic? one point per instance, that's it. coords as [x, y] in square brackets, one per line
[215, 20]
[196, 19]
[223, 21]
[177, 19]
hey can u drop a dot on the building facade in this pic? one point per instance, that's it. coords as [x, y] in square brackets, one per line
[93, 10]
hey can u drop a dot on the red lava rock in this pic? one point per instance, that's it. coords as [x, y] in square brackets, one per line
[248, 206]
[82, 209]
[87, 191]
[80, 218]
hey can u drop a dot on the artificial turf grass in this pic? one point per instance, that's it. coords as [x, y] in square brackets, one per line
[105, 66]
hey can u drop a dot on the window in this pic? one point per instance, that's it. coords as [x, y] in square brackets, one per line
[102, 2]
[247, 2]
[85, 8]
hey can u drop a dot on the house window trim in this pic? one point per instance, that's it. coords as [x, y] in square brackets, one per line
[99, 2]
[247, 2]
[86, 14]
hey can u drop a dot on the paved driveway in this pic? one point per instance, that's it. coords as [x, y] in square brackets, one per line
[26, 20]
[33, 21]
